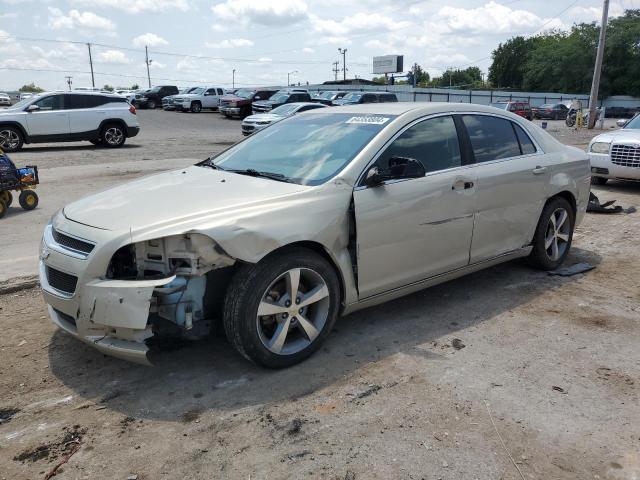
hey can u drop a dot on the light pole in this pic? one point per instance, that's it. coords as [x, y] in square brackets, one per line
[289, 73]
[344, 62]
[233, 79]
[595, 83]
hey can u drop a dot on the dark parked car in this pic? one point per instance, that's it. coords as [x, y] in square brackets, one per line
[551, 111]
[239, 103]
[287, 95]
[519, 108]
[327, 97]
[153, 98]
[354, 98]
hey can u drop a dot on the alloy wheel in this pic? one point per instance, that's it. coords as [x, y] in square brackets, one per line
[114, 136]
[556, 240]
[293, 311]
[9, 139]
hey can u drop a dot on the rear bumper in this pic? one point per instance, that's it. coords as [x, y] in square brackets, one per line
[133, 131]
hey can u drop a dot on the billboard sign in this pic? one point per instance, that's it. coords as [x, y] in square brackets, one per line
[388, 64]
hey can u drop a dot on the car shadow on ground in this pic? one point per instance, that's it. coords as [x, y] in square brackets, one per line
[60, 148]
[211, 375]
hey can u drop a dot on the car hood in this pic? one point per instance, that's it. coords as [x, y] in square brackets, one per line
[623, 135]
[182, 196]
[263, 117]
[341, 101]
[264, 102]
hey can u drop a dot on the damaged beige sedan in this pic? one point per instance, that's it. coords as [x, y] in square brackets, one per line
[316, 216]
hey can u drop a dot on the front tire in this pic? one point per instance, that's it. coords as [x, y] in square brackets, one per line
[279, 311]
[553, 236]
[6, 197]
[599, 181]
[196, 107]
[151, 104]
[113, 135]
[11, 139]
[3, 208]
[28, 199]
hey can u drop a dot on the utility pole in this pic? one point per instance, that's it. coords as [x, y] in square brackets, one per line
[597, 70]
[233, 78]
[69, 82]
[93, 80]
[148, 62]
[335, 70]
[343, 51]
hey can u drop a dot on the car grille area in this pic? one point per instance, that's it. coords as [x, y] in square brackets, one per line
[72, 243]
[61, 281]
[625, 155]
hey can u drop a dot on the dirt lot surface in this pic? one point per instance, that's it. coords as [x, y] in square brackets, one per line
[505, 374]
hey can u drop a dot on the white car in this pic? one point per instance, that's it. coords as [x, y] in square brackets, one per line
[198, 99]
[5, 100]
[105, 119]
[319, 215]
[25, 95]
[616, 154]
[256, 122]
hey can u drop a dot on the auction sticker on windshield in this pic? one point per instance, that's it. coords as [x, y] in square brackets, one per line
[369, 120]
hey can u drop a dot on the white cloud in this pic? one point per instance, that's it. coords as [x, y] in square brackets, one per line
[360, 22]
[263, 12]
[4, 16]
[113, 56]
[333, 40]
[308, 50]
[231, 43]
[149, 40]
[491, 18]
[75, 19]
[265, 59]
[137, 6]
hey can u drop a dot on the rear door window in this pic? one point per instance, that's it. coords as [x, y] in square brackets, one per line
[492, 138]
[220, 91]
[76, 102]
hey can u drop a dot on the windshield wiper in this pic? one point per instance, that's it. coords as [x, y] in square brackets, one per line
[209, 163]
[255, 173]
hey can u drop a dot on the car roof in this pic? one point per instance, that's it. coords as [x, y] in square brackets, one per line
[84, 92]
[301, 104]
[420, 108]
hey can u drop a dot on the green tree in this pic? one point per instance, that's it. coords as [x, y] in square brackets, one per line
[108, 88]
[470, 77]
[507, 67]
[421, 77]
[135, 87]
[31, 88]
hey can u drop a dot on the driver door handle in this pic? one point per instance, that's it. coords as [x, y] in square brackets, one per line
[539, 170]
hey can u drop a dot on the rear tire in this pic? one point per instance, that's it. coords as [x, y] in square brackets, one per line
[196, 107]
[151, 104]
[28, 199]
[6, 197]
[3, 208]
[599, 181]
[113, 135]
[289, 330]
[11, 139]
[553, 235]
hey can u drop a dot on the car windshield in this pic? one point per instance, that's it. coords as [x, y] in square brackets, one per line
[23, 103]
[307, 149]
[501, 106]
[352, 96]
[633, 124]
[546, 105]
[154, 90]
[197, 91]
[286, 109]
[327, 95]
[279, 97]
[245, 93]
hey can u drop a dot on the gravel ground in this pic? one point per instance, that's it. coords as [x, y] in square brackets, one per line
[505, 374]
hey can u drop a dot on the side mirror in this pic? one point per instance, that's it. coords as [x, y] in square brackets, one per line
[400, 168]
[33, 108]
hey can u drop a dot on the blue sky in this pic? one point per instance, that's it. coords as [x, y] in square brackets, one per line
[197, 41]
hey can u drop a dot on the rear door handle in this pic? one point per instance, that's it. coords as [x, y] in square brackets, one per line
[539, 170]
[462, 185]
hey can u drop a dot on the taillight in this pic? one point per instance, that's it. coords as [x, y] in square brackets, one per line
[132, 109]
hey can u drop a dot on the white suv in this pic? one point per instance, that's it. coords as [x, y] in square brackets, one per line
[199, 98]
[101, 118]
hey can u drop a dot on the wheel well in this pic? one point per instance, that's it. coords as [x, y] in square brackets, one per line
[25, 137]
[568, 196]
[105, 123]
[320, 250]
